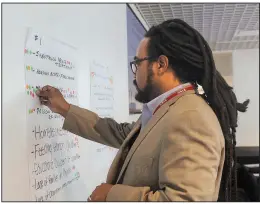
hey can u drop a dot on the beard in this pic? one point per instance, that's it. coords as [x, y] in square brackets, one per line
[149, 92]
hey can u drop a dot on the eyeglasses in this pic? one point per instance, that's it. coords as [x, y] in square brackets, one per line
[134, 64]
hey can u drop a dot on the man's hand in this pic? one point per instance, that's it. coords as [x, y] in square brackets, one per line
[52, 97]
[100, 193]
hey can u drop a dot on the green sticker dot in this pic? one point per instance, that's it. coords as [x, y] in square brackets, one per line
[28, 92]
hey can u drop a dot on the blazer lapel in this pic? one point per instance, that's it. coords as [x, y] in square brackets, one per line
[152, 122]
[113, 171]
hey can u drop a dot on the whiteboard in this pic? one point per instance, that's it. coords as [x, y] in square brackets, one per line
[98, 31]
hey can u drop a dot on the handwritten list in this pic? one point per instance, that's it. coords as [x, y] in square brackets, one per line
[102, 92]
[102, 103]
[53, 153]
[102, 95]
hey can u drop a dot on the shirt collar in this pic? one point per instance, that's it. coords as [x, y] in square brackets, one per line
[153, 104]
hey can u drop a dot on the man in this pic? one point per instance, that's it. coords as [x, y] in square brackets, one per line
[176, 149]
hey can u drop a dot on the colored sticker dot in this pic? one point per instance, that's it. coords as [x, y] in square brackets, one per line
[32, 94]
[28, 92]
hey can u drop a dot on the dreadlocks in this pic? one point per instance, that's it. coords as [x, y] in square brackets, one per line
[192, 61]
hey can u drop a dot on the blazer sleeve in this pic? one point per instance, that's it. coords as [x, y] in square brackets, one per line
[188, 164]
[90, 126]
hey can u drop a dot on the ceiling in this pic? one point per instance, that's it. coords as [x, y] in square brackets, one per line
[218, 23]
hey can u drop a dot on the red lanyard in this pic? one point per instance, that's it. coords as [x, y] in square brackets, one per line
[188, 88]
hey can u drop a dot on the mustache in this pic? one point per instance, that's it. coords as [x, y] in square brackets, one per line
[134, 82]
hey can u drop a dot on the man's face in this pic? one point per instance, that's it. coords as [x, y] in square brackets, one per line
[144, 78]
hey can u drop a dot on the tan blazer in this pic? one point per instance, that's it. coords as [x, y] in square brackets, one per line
[177, 156]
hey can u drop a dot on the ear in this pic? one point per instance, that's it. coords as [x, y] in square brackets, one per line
[163, 64]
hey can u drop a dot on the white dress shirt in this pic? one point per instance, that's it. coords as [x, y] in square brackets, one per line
[149, 108]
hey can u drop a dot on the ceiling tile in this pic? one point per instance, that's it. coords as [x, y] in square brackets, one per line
[218, 23]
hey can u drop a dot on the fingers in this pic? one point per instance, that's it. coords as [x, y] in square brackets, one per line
[44, 92]
[47, 88]
[45, 102]
[43, 98]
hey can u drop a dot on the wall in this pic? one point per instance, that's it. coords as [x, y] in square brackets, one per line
[223, 62]
[246, 85]
[98, 31]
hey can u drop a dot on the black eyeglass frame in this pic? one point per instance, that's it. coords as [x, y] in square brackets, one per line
[134, 64]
